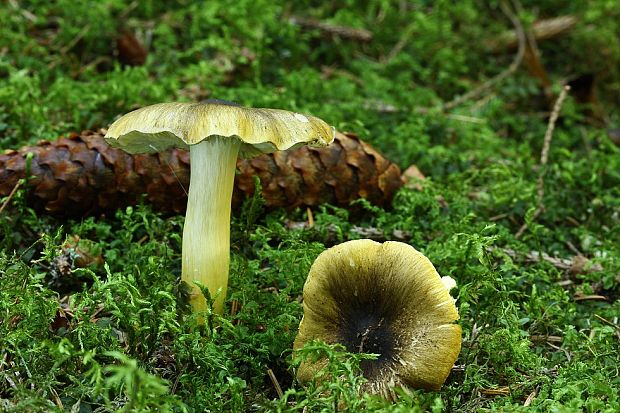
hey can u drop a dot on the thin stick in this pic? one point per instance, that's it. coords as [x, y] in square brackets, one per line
[25, 13]
[310, 217]
[572, 247]
[609, 323]
[172, 170]
[551, 339]
[593, 297]
[578, 263]
[56, 398]
[501, 76]
[128, 10]
[274, 380]
[11, 194]
[500, 391]
[175, 386]
[373, 233]
[530, 398]
[345, 32]
[402, 42]
[234, 308]
[176, 177]
[536, 68]
[541, 30]
[5, 357]
[575, 264]
[463, 118]
[544, 157]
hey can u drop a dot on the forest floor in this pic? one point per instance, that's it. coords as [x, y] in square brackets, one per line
[519, 200]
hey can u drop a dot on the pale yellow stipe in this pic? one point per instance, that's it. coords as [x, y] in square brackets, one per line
[206, 233]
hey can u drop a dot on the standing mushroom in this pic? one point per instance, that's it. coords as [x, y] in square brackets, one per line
[215, 134]
[386, 299]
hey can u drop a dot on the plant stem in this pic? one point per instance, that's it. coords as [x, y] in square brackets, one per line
[206, 233]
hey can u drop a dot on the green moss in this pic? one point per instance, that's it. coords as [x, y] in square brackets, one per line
[118, 335]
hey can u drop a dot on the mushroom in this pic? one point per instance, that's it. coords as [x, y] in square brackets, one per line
[385, 299]
[215, 132]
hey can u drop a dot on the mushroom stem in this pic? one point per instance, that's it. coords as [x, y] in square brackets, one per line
[206, 233]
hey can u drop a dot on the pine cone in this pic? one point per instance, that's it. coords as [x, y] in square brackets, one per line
[81, 175]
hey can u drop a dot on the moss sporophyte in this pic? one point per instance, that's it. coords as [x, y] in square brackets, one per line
[215, 134]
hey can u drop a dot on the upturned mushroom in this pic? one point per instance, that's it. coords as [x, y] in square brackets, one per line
[385, 299]
[215, 133]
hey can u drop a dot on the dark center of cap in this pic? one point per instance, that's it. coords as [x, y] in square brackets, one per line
[366, 331]
[367, 309]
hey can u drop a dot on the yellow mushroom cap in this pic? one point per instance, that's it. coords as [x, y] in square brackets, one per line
[161, 126]
[386, 299]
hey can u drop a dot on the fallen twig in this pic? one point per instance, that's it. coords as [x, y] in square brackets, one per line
[275, 382]
[500, 391]
[10, 196]
[590, 297]
[501, 76]
[56, 398]
[25, 13]
[234, 307]
[541, 30]
[5, 357]
[175, 386]
[402, 42]
[575, 265]
[375, 234]
[549, 339]
[535, 67]
[609, 323]
[544, 157]
[344, 32]
[530, 398]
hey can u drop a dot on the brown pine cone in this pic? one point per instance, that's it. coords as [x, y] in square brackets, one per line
[81, 175]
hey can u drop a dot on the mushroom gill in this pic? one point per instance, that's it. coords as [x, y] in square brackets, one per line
[385, 299]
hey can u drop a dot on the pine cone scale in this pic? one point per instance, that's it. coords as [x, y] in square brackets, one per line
[81, 174]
